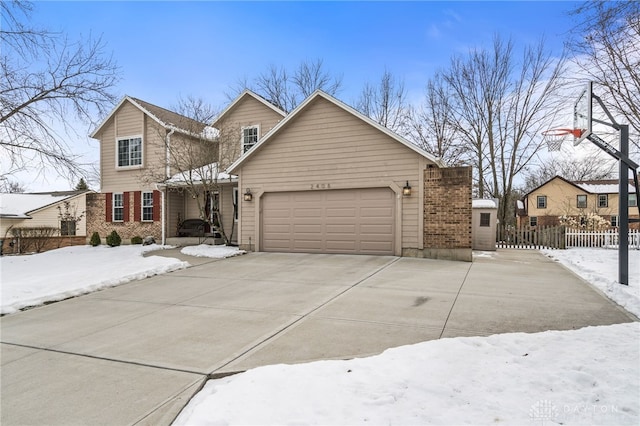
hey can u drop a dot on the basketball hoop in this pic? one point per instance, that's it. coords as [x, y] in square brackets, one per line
[555, 137]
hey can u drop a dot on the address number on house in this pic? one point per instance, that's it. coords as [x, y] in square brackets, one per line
[320, 186]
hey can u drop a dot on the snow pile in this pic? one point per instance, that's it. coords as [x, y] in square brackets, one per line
[58, 274]
[587, 376]
[600, 268]
[216, 252]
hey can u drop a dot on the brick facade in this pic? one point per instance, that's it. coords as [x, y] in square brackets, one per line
[97, 220]
[447, 213]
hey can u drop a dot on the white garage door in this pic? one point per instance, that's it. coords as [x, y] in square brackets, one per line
[349, 221]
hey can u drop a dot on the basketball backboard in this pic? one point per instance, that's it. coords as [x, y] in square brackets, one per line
[582, 114]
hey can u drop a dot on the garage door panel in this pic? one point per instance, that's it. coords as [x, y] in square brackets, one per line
[333, 221]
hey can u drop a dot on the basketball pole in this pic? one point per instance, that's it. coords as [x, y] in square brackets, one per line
[623, 207]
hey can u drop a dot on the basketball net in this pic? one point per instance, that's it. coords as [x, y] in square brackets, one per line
[555, 137]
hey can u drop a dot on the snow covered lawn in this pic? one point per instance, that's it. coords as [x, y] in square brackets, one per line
[32, 280]
[216, 252]
[582, 377]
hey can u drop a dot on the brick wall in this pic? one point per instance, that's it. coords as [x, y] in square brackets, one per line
[96, 221]
[10, 245]
[447, 213]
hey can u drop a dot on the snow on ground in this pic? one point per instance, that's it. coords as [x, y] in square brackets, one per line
[32, 280]
[586, 376]
[217, 252]
[600, 268]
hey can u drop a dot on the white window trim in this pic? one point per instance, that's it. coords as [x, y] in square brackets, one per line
[138, 166]
[606, 201]
[635, 200]
[530, 220]
[142, 219]
[253, 126]
[538, 198]
[113, 207]
[617, 220]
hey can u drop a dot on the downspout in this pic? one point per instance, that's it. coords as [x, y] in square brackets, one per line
[163, 200]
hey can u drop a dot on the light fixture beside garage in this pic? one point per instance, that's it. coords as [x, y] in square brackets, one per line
[248, 196]
[406, 191]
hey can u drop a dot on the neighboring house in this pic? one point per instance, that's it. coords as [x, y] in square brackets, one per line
[46, 209]
[321, 179]
[560, 197]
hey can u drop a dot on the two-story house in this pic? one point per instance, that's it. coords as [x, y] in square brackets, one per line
[321, 179]
[560, 197]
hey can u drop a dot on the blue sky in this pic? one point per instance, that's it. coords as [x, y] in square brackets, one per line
[172, 49]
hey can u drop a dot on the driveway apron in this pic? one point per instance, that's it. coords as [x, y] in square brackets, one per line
[136, 353]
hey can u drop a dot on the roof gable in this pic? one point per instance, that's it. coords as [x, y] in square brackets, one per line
[304, 105]
[21, 206]
[551, 180]
[247, 93]
[162, 116]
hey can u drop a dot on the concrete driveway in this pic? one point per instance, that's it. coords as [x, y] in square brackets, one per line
[136, 353]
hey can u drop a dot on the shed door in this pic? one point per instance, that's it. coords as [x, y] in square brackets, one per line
[349, 221]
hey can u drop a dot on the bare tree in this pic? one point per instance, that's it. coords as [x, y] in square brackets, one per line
[432, 123]
[386, 103]
[197, 156]
[501, 104]
[607, 41]
[9, 186]
[47, 82]
[286, 89]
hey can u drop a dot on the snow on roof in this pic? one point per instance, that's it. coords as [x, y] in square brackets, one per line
[484, 204]
[602, 188]
[208, 172]
[19, 206]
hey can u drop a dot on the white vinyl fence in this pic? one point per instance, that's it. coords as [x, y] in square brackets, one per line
[606, 238]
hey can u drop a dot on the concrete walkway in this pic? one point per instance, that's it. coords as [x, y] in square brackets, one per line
[136, 353]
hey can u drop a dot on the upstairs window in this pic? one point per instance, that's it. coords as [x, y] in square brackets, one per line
[249, 138]
[633, 200]
[603, 200]
[129, 152]
[581, 201]
[542, 201]
[147, 206]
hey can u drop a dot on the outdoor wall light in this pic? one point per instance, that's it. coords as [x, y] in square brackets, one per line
[406, 191]
[248, 196]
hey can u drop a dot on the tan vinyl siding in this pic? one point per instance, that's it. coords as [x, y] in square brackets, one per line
[130, 121]
[175, 211]
[250, 111]
[325, 147]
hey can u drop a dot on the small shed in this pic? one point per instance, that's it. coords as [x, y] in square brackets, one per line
[483, 223]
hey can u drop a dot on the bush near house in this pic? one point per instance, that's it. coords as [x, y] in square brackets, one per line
[95, 239]
[136, 240]
[113, 239]
[33, 239]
